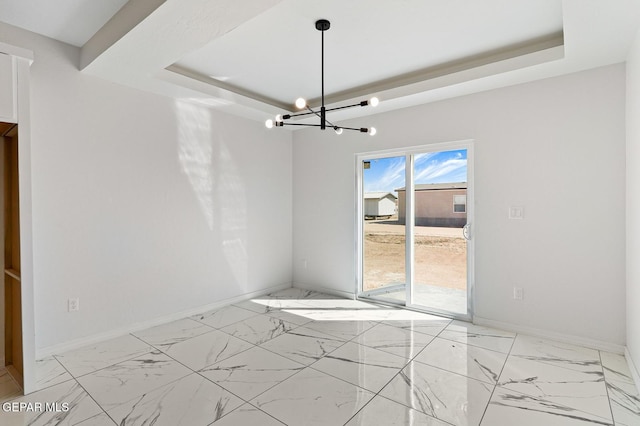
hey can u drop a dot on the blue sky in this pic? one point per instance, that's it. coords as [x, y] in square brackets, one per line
[387, 174]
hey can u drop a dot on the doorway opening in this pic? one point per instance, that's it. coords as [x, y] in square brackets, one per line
[415, 211]
[10, 219]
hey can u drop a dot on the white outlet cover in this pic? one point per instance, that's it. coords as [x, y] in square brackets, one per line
[516, 212]
[73, 305]
[518, 293]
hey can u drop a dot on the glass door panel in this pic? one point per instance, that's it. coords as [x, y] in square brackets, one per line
[439, 273]
[384, 242]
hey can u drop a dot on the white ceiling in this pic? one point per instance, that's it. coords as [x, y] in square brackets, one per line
[253, 58]
[277, 54]
[70, 21]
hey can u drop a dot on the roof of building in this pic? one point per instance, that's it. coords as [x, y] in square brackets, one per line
[378, 195]
[437, 186]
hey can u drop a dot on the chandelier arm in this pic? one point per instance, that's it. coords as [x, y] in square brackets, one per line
[346, 106]
[287, 116]
[359, 129]
[301, 124]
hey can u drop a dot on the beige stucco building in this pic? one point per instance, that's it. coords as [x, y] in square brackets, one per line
[439, 204]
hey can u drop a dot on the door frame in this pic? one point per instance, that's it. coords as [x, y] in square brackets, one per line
[22, 59]
[408, 153]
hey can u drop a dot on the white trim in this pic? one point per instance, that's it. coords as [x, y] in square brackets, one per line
[96, 338]
[551, 335]
[23, 114]
[409, 228]
[17, 52]
[325, 290]
[632, 366]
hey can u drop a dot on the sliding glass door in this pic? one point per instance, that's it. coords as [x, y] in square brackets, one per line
[384, 238]
[420, 255]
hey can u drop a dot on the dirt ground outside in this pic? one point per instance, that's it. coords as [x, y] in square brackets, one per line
[440, 255]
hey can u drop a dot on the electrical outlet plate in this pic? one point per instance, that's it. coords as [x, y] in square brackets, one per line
[73, 304]
[518, 293]
[516, 212]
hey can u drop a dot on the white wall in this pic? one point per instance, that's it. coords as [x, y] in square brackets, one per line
[633, 202]
[555, 146]
[144, 206]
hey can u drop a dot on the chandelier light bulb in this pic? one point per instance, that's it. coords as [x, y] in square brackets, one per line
[374, 101]
[301, 103]
[372, 131]
[279, 117]
[269, 124]
[338, 130]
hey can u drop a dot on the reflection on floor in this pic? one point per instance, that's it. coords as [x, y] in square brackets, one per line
[303, 358]
[432, 297]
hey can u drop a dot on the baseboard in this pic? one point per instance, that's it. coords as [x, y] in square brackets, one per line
[325, 290]
[632, 367]
[112, 334]
[567, 338]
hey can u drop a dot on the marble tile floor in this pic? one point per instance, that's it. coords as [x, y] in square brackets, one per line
[303, 358]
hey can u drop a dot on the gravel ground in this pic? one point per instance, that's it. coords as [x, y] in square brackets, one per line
[440, 255]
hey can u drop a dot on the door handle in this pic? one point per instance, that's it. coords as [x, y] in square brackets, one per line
[466, 231]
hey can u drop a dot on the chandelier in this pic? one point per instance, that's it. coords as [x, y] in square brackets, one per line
[322, 25]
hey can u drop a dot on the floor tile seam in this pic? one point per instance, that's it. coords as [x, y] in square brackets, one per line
[22, 395]
[479, 330]
[473, 346]
[155, 345]
[200, 373]
[245, 309]
[297, 372]
[96, 402]
[109, 417]
[450, 372]
[405, 360]
[555, 403]
[145, 393]
[66, 370]
[13, 397]
[258, 344]
[296, 361]
[413, 331]
[626, 380]
[244, 401]
[506, 359]
[269, 313]
[110, 365]
[227, 325]
[206, 366]
[606, 388]
[387, 384]
[350, 383]
[13, 380]
[412, 408]
[248, 403]
[619, 383]
[373, 394]
[215, 329]
[351, 339]
[476, 346]
[453, 372]
[561, 367]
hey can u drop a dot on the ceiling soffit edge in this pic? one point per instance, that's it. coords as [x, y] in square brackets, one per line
[553, 42]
